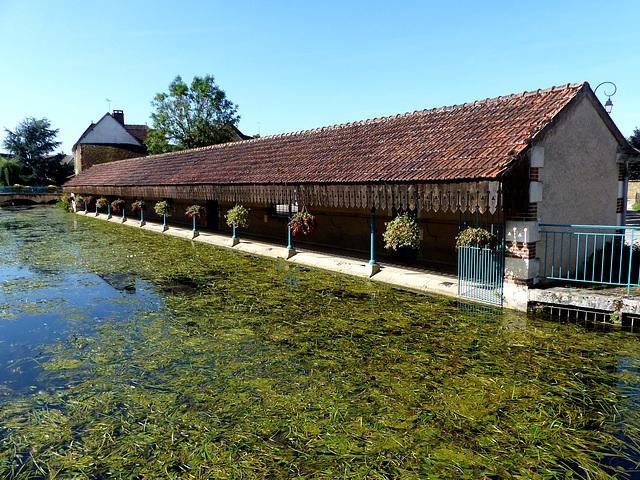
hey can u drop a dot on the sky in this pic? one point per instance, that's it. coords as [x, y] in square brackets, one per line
[298, 65]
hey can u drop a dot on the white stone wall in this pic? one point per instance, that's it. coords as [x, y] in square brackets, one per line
[580, 173]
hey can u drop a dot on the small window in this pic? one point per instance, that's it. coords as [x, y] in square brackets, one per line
[283, 209]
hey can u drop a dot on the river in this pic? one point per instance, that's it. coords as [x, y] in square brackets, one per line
[128, 354]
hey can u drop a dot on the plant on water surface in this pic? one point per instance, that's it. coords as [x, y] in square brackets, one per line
[138, 205]
[446, 394]
[117, 204]
[302, 222]
[194, 210]
[476, 237]
[102, 202]
[402, 231]
[164, 208]
[238, 216]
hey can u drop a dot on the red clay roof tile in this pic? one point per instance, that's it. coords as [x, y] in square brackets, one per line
[471, 141]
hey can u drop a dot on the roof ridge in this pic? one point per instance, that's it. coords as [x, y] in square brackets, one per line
[371, 121]
[568, 86]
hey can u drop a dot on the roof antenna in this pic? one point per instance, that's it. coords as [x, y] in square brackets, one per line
[258, 129]
[108, 104]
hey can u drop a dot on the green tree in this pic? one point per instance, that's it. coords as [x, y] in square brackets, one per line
[634, 139]
[191, 116]
[9, 171]
[31, 145]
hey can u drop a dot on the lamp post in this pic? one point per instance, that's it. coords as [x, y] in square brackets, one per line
[608, 106]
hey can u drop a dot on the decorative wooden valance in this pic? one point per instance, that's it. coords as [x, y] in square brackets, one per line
[481, 196]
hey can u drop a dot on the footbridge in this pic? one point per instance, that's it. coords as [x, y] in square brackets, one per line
[29, 194]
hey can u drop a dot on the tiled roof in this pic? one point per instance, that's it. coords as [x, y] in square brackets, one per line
[464, 142]
[138, 131]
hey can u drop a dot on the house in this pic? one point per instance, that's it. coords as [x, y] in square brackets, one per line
[108, 140]
[507, 164]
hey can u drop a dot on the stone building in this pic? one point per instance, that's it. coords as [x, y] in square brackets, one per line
[506, 164]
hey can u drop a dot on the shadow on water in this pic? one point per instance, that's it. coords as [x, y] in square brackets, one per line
[144, 356]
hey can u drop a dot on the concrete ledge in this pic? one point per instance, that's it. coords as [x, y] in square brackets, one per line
[417, 280]
[607, 302]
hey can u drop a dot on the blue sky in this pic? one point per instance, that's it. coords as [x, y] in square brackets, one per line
[296, 65]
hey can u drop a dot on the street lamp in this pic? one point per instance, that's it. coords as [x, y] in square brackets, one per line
[608, 106]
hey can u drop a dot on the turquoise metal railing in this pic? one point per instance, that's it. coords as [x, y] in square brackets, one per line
[604, 254]
[481, 274]
[34, 190]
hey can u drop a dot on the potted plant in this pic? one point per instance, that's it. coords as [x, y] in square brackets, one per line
[476, 237]
[164, 208]
[302, 222]
[102, 202]
[52, 188]
[237, 216]
[138, 205]
[117, 204]
[17, 186]
[402, 231]
[194, 211]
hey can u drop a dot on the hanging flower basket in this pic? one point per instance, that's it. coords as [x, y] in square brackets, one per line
[476, 237]
[238, 216]
[138, 205]
[88, 199]
[102, 202]
[194, 211]
[117, 204]
[164, 208]
[302, 222]
[402, 231]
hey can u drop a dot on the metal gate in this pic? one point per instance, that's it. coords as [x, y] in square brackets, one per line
[481, 273]
[481, 269]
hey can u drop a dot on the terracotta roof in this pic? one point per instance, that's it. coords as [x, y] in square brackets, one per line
[470, 141]
[138, 131]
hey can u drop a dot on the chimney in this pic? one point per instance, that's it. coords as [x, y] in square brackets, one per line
[119, 116]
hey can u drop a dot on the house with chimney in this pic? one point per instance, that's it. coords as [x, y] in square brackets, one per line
[108, 140]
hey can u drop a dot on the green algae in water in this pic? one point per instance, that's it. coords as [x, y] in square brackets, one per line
[231, 366]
